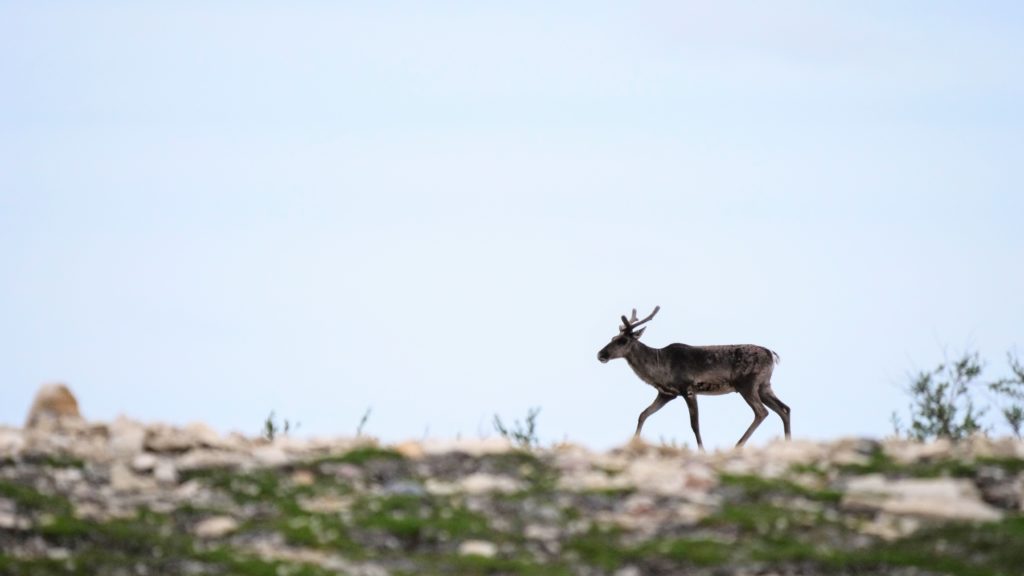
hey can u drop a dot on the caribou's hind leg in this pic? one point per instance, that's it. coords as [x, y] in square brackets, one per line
[691, 404]
[778, 406]
[760, 412]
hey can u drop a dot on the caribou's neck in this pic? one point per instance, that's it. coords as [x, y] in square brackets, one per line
[645, 361]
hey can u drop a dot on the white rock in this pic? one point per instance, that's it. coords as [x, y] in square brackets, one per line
[11, 442]
[326, 504]
[472, 447]
[939, 498]
[164, 438]
[271, 455]
[541, 532]
[268, 549]
[908, 451]
[670, 477]
[215, 527]
[890, 527]
[792, 452]
[165, 472]
[410, 449]
[58, 553]
[485, 483]
[303, 477]
[67, 479]
[592, 480]
[204, 459]
[126, 437]
[475, 484]
[690, 514]
[204, 435]
[143, 463]
[189, 490]
[478, 548]
[9, 520]
[122, 479]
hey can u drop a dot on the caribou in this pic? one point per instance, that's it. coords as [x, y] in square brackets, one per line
[688, 371]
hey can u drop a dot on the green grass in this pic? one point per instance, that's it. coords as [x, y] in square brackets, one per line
[699, 552]
[611, 493]
[757, 487]
[758, 518]
[320, 531]
[223, 560]
[476, 565]
[995, 549]
[880, 463]
[773, 524]
[1010, 465]
[957, 550]
[28, 499]
[258, 486]
[602, 547]
[56, 460]
[539, 477]
[421, 520]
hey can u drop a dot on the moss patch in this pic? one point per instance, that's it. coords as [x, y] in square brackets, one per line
[757, 488]
[420, 521]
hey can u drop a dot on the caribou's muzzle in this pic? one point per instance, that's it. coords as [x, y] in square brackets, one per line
[602, 357]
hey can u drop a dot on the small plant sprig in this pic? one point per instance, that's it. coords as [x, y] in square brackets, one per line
[522, 434]
[942, 404]
[1012, 390]
[271, 429]
[362, 422]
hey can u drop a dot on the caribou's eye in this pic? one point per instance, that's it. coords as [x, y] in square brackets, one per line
[622, 341]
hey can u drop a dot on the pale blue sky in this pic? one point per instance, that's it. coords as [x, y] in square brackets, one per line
[439, 210]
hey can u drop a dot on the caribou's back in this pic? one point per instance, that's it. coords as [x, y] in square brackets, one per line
[719, 369]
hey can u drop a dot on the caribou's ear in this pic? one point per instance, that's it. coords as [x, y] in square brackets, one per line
[625, 324]
[639, 332]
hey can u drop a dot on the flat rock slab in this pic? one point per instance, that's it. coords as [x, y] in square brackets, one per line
[937, 498]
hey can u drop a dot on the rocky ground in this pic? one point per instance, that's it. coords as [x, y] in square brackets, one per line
[129, 498]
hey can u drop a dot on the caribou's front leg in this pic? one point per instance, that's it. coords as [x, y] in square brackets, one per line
[660, 401]
[691, 403]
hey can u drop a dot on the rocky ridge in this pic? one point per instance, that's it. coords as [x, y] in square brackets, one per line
[125, 497]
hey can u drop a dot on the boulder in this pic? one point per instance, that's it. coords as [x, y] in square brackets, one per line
[125, 437]
[54, 404]
[670, 477]
[935, 498]
[123, 480]
[144, 463]
[215, 527]
[480, 548]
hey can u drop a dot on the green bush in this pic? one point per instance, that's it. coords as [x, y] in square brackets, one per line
[945, 400]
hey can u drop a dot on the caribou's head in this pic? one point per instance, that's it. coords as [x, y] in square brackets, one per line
[621, 344]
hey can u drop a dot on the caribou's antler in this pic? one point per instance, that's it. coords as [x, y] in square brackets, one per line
[629, 324]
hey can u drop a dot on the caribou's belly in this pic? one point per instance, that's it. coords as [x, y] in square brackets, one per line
[712, 388]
